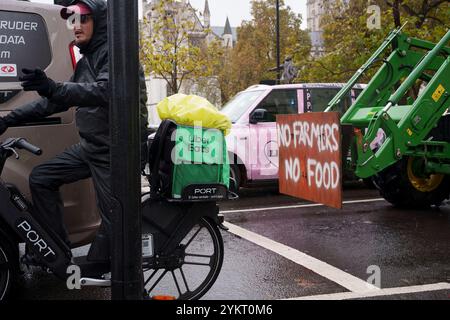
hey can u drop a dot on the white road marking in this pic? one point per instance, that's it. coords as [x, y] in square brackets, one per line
[310, 205]
[381, 292]
[326, 270]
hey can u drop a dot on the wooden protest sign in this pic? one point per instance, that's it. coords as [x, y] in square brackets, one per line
[310, 157]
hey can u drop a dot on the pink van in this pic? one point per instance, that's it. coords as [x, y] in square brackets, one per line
[252, 143]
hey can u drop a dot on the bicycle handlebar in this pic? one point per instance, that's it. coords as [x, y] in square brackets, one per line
[24, 144]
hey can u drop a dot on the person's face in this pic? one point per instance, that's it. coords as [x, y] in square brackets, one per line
[84, 30]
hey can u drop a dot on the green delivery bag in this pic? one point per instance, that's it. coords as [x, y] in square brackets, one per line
[189, 157]
[200, 158]
[189, 163]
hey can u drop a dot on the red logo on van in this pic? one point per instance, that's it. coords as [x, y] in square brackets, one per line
[8, 69]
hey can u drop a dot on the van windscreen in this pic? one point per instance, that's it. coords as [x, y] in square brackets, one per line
[240, 103]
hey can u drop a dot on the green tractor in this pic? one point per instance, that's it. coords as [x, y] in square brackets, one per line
[406, 103]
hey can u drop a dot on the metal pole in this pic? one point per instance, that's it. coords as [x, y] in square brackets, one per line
[278, 42]
[126, 253]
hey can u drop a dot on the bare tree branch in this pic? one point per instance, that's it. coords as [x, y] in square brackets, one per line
[162, 74]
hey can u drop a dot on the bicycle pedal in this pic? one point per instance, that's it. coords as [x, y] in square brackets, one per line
[91, 282]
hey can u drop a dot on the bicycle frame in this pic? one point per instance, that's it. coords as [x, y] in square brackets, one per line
[15, 213]
[169, 221]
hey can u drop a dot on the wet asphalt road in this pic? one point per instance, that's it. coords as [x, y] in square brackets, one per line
[410, 248]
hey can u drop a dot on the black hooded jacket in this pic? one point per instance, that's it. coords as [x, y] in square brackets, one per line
[87, 90]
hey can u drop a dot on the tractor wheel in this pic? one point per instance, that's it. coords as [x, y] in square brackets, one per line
[404, 184]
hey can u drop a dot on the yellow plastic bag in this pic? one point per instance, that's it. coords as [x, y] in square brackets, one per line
[192, 110]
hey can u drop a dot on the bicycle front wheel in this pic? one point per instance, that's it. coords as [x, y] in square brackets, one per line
[193, 267]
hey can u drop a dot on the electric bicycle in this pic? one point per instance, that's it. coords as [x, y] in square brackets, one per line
[182, 245]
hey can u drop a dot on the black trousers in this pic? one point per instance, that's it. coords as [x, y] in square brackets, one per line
[72, 165]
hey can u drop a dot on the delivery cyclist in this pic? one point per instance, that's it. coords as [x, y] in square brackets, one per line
[88, 91]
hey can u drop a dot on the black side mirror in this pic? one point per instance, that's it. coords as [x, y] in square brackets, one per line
[258, 115]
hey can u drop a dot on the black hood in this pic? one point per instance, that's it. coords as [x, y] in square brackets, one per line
[100, 14]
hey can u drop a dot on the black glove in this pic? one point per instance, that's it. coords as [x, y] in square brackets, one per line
[3, 126]
[36, 80]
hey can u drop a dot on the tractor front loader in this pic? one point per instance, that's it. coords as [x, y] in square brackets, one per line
[406, 104]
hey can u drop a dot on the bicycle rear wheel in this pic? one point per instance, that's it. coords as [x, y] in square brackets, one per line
[192, 269]
[8, 269]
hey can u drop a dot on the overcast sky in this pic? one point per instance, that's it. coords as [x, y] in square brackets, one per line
[236, 10]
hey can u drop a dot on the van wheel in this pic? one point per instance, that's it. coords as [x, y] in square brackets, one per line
[8, 268]
[405, 185]
[235, 178]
